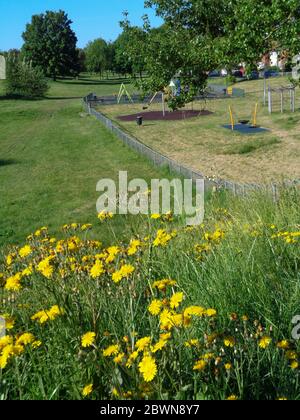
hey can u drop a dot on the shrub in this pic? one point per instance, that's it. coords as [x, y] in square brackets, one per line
[230, 80]
[23, 80]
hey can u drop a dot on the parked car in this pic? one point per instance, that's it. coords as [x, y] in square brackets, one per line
[254, 75]
[214, 73]
[238, 73]
[271, 73]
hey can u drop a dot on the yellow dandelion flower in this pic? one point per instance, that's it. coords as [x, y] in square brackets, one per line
[88, 339]
[208, 356]
[291, 355]
[5, 341]
[155, 216]
[192, 343]
[36, 344]
[228, 366]
[165, 336]
[115, 393]
[232, 398]
[87, 390]
[200, 365]
[25, 251]
[10, 259]
[28, 271]
[112, 252]
[194, 311]
[132, 358]
[14, 283]
[111, 351]
[97, 270]
[155, 307]
[105, 215]
[25, 339]
[284, 345]
[176, 300]
[166, 322]
[45, 267]
[294, 365]
[86, 226]
[143, 343]
[162, 238]
[163, 284]
[265, 342]
[229, 342]
[124, 273]
[119, 358]
[211, 313]
[159, 346]
[48, 315]
[148, 368]
[134, 247]
[9, 322]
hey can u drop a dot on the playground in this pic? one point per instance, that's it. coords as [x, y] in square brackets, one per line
[231, 137]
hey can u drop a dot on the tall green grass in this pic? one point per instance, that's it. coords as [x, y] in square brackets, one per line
[242, 262]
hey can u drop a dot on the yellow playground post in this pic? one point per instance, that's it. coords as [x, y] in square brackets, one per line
[123, 91]
[231, 118]
[254, 122]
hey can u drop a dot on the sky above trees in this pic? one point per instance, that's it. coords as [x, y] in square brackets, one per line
[91, 20]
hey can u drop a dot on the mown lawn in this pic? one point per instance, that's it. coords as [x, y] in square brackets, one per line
[51, 157]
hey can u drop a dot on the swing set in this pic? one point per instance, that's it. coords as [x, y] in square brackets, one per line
[243, 125]
[124, 92]
[162, 101]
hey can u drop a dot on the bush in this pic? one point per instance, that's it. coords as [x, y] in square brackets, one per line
[23, 80]
[230, 80]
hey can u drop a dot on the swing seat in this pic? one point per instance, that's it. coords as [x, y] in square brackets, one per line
[244, 122]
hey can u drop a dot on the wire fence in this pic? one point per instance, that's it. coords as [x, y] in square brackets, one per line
[238, 189]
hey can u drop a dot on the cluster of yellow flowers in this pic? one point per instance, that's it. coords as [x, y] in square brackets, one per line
[12, 347]
[176, 325]
[163, 238]
[48, 315]
[288, 237]
[105, 215]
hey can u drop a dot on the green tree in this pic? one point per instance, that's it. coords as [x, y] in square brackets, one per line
[24, 80]
[96, 56]
[81, 60]
[123, 62]
[201, 35]
[50, 43]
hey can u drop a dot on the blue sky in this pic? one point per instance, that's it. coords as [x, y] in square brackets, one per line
[91, 19]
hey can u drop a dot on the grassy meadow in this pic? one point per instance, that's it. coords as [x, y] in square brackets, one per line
[51, 157]
[127, 308]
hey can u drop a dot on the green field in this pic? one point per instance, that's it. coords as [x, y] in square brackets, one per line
[51, 157]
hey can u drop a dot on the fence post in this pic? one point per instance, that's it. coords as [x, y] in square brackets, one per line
[275, 193]
[270, 100]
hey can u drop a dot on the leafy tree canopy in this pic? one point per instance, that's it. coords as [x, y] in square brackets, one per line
[96, 56]
[50, 43]
[201, 35]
